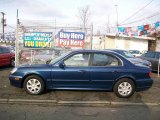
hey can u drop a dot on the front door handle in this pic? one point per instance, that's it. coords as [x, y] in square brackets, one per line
[82, 71]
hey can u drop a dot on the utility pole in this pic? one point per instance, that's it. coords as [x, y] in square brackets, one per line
[116, 36]
[108, 29]
[3, 24]
[17, 42]
[91, 37]
[116, 6]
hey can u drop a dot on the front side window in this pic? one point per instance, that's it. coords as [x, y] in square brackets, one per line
[81, 59]
[150, 54]
[105, 60]
[5, 50]
[0, 51]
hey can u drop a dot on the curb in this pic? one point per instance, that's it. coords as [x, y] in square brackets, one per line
[70, 103]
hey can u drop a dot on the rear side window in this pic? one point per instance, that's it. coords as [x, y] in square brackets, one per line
[0, 51]
[5, 50]
[150, 54]
[100, 59]
[157, 55]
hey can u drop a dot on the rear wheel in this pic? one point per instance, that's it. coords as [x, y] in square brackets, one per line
[124, 88]
[34, 85]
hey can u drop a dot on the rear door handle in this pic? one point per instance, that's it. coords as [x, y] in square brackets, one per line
[82, 71]
[116, 71]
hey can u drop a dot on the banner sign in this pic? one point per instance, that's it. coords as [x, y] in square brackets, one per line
[71, 39]
[37, 39]
[143, 30]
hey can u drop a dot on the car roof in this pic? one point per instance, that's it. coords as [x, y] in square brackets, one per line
[116, 50]
[133, 50]
[153, 51]
[3, 47]
[84, 50]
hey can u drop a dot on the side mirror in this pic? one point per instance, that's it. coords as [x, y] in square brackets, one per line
[48, 61]
[61, 65]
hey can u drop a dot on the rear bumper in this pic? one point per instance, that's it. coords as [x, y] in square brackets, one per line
[143, 84]
[15, 81]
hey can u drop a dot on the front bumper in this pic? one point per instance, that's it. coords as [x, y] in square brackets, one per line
[15, 81]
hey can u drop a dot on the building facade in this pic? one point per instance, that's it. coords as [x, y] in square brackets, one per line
[129, 43]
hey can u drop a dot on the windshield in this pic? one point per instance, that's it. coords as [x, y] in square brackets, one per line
[127, 54]
[134, 51]
[58, 58]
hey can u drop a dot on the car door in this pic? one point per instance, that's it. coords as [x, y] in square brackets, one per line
[105, 68]
[74, 74]
[6, 56]
[150, 56]
[156, 60]
[1, 57]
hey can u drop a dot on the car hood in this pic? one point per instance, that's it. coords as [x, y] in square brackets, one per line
[34, 65]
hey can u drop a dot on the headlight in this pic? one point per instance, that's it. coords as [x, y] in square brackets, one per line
[14, 70]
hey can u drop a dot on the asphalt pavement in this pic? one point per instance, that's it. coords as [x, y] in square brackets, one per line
[11, 94]
[49, 112]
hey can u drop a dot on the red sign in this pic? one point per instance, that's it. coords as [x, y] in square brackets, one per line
[71, 39]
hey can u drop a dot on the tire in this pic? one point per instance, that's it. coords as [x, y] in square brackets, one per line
[12, 63]
[124, 88]
[34, 85]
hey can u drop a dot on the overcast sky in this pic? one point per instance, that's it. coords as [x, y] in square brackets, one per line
[66, 11]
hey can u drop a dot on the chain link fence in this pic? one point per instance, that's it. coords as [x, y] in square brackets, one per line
[27, 53]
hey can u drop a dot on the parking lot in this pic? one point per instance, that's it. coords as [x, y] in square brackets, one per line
[9, 92]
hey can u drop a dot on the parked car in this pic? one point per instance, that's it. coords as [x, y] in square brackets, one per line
[131, 58]
[135, 53]
[153, 57]
[84, 70]
[6, 57]
[38, 55]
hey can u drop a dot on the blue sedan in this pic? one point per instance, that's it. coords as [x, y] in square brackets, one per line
[84, 70]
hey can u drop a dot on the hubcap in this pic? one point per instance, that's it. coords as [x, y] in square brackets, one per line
[124, 88]
[33, 86]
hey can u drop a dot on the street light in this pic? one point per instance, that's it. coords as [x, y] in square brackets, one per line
[3, 24]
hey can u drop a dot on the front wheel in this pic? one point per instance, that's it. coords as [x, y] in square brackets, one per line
[34, 85]
[124, 88]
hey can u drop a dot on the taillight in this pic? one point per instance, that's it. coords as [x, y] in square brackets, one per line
[150, 74]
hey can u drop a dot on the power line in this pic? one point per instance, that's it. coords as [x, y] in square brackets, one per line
[153, 10]
[137, 11]
[10, 26]
[153, 15]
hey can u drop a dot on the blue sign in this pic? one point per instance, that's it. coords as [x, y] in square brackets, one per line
[71, 39]
[72, 35]
[37, 39]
